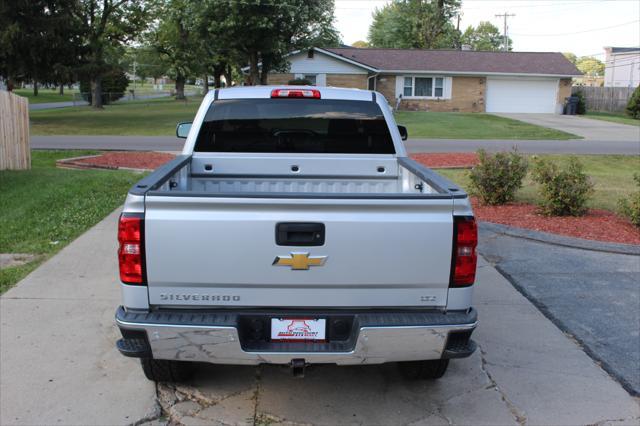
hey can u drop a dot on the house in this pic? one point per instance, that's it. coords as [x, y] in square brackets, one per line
[622, 66]
[441, 80]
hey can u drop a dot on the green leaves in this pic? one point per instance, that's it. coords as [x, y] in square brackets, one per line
[424, 24]
[497, 178]
[564, 192]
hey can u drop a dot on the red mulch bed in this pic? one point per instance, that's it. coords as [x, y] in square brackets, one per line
[133, 160]
[443, 160]
[600, 225]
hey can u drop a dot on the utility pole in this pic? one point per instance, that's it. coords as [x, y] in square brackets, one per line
[134, 77]
[505, 39]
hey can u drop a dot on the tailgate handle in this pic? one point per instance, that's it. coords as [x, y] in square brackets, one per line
[299, 234]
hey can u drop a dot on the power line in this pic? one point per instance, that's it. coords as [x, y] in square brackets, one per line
[505, 39]
[577, 32]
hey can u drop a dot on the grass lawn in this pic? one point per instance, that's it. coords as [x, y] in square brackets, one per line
[44, 209]
[46, 95]
[614, 117]
[457, 125]
[611, 174]
[153, 117]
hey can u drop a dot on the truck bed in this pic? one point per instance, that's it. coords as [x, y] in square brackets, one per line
[305, 177]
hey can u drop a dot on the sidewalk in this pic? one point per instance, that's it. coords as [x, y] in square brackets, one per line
[58, 365]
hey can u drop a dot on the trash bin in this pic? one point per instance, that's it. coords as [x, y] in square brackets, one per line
[571, 105]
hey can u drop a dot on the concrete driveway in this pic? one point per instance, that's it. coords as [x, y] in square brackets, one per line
[589, 129]
[58, 365]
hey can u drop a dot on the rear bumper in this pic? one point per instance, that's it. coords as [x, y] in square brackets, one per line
[373, 337]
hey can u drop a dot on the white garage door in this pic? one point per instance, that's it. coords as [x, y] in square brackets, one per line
[521, 95]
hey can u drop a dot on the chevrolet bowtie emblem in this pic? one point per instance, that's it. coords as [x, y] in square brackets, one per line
[299, 260]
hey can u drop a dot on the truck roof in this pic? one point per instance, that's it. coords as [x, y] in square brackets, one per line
[253, 92]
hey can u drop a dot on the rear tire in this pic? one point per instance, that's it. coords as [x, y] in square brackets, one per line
[424, 370]
[160, 370]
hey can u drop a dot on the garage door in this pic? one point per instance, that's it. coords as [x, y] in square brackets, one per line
[520, 95]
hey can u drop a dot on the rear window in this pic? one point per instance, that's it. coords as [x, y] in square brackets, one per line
[295, 125]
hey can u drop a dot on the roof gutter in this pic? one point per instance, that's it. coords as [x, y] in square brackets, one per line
[478, 74]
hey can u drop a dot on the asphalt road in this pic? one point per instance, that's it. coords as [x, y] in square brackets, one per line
[595, 296]
[170, 143]
[58, 365]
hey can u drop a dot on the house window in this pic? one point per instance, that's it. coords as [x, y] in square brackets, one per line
[423, 87]
[311, 78]
[439, 88]
[408, 86]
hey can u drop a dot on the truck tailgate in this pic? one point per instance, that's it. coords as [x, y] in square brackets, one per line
[216, 251]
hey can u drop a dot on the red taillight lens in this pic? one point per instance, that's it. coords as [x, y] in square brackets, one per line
[295, 93]
[131, 249]
[465, 258]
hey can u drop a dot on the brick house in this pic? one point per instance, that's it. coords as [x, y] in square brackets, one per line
[441, 80]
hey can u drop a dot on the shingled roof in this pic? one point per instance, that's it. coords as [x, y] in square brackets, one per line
[460, 61]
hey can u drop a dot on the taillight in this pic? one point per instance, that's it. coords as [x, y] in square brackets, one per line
[131, 249]
[295, 93]
[465, 258]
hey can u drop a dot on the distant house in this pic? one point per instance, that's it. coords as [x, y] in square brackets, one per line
[441, 80]
[622, 66]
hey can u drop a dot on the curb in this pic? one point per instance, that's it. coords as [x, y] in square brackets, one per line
[72, 163]
[561, 240]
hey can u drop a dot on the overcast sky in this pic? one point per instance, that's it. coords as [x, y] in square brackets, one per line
[579, 26]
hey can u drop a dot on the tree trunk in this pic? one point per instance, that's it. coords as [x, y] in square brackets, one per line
[254, 72]
[180, 79]
[205, 84]
[217, 81]
[266, 67]
[35, 87]
[9, 84]
[96, 92]
[61, 89]
[227, 76]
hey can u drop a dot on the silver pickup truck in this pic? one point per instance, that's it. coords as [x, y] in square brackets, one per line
[294, 230]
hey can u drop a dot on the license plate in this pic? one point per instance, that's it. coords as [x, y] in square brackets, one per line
[298, 329]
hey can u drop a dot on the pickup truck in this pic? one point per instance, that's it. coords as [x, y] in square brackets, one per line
[295, 230]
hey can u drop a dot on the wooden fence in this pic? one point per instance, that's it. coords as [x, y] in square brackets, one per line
[612, 99]
[15, 152]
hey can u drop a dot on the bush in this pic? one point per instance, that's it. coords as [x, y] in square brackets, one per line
[630, 208]
[582, 106]
[564, 192]
[114, 86]
[633, 106]
[497, 178]
[300, 82]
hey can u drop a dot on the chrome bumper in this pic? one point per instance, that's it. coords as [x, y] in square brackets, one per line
[175, 338]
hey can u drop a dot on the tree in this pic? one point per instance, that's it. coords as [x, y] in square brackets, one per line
[360, 43]
[175, 38]
[105, 26]
[262, 32]
[633, 106]
[38, 41]
[485, 36]
[590, 66]
[424, 24]
[571, 57]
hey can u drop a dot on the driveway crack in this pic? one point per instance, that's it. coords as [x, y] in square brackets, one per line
[519, 416]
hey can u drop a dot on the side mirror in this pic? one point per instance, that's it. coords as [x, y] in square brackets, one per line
[403, 132]
[182, 130]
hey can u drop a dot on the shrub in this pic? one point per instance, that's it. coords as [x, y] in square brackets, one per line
[582, 106]
[300, 82]
[497, 178]
[564, 192]
[114, 86]
[630, 208]
[633, 106]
